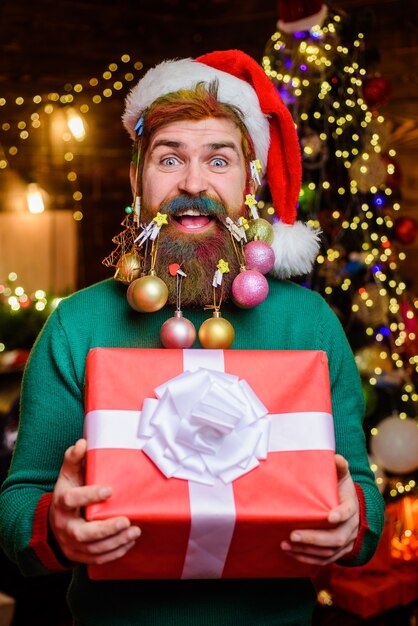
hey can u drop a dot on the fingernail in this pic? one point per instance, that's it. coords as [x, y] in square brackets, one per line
[285, 546]
[105, 492]
[295, 537]
[134, 532]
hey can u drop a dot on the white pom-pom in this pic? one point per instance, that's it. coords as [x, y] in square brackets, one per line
[296, 247]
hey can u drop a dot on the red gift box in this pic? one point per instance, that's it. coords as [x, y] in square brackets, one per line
[378, 586]
[227, 529]
[373, 593]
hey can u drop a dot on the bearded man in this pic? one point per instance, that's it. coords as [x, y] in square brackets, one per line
[199, 128]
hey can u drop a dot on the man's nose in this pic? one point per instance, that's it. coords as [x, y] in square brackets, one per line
[193, 180]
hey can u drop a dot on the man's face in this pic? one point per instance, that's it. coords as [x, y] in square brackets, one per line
[202, 158]
[195, 172]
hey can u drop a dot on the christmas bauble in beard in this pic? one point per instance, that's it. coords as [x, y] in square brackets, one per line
[249, 289]
[128, 267]
[177, 332]
[216, 333]
[259, 256]
[147, 294]
[260, 229]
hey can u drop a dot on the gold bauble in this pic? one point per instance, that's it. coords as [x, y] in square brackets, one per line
[260, 229]
[147, 294]
[128, 267]
[370, 358]
[216, 333]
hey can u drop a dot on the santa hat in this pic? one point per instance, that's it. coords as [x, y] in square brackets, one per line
[243, 83]
[300, 15]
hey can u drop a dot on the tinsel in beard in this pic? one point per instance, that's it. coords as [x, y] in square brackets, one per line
[198, 253]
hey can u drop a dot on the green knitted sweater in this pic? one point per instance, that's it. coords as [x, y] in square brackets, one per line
[52, 415]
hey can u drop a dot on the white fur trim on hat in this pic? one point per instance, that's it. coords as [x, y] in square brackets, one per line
[171, 76]
[296, 247]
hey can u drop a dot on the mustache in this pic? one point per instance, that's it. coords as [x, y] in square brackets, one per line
[204, 204]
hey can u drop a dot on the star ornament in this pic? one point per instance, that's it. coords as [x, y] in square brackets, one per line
[243, 222]
[250, 200]
[160, 219]
[223, 266]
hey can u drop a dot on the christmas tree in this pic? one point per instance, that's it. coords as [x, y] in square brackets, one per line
[351, 189]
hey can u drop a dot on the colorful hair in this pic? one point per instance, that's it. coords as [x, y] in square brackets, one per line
[191, 104]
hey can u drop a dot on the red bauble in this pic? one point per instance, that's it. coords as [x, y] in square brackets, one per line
[377, 90]
[405, 230]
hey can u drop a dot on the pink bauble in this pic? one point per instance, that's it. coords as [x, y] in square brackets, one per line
[177, 332]
[249, 288]
[259, 256]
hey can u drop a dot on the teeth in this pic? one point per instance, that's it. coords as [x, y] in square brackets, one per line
[192, 212]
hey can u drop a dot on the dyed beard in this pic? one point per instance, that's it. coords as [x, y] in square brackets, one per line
[197, 253]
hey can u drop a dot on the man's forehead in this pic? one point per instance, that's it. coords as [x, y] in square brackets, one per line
[208, 133]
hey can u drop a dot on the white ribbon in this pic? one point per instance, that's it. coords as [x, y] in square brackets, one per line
[205, 425]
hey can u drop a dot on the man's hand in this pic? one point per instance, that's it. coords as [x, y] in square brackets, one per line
[322, 547]
[81, 541]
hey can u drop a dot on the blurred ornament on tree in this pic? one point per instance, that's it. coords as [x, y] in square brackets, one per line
[300, 15]
[371, 305]
[377, 91]
[368, 170]
[369, 359]
[314, 150]
[405, 230]
[395, 444]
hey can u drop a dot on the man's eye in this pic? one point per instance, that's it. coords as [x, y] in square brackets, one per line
[169, 161]
[218, 162]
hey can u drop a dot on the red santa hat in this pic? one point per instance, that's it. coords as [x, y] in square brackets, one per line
[300, 15]
[243, 83]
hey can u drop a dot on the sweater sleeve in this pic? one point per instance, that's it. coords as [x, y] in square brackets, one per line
[348, 412]
[51, 419]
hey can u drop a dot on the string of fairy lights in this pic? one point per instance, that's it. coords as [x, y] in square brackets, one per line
[78, 102]
[320, 77]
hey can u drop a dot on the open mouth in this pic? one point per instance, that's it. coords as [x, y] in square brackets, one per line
[192, 221]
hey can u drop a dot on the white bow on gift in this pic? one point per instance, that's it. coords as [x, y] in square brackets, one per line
[205, 425]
